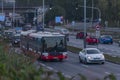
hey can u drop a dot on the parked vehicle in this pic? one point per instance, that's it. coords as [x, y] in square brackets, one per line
[63, 31]
[46, 45]
[91, 55]
[28, 26]
[16, 40]
[80, 35]
[91, 40]
[106, 39]
[119, 43]
[8, 34]
[8, 23]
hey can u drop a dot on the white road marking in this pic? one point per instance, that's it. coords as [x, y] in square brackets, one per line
[107, 73]
[50, 68]
[84, 65]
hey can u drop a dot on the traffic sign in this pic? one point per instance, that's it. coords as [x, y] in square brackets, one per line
[73, 23]
[97, 27]
[97, 33]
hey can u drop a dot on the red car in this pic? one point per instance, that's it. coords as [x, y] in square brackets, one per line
[80, 35]
[91, 40]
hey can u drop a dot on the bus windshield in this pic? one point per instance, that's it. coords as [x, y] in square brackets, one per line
[54, 44]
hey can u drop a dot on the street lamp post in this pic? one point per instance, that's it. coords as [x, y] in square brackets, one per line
[43, 12]
[2, 6]
[13, 13]
[99, 11]
[84, 23]
[92, 13]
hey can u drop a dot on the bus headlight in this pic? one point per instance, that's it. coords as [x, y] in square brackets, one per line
[65, 53]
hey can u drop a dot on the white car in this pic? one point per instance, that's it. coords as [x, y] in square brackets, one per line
[119, 43]
[8, 23]
[91, 55]
[62, 30]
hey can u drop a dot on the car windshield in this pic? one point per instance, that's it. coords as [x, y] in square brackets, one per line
[16, 37]
[65, 31]
[93, 51]
[107, 36]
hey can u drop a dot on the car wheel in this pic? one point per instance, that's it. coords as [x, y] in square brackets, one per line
[80, 60]
[119, 45]
[102, 63]
[85, 61]
[76, 37]
[111, 42]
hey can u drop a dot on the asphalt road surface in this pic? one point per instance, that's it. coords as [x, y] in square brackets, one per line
[72, 67]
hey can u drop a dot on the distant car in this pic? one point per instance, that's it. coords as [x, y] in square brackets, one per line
[91, 55]
[119, 43]
[106, 39]
[80, 35]
[91, 40]
[16, 40]
[8, 34]
[28, 26]
[8, 24]
[63, 31]
[87, 20]
[95, 20]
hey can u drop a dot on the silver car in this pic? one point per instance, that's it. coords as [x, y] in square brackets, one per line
[91, 55]
[119, 43]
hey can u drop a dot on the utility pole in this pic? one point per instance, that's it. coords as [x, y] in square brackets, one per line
[92, 13]
[43, 12]
[2, 6]
[84, 23]
[13, 13]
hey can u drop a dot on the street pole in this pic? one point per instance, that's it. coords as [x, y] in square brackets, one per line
[92, 13]
[13, 13]
[2, 6]
[84, 23]
[43, 13]
[99, 11]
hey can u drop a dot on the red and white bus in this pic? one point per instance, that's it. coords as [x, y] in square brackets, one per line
[46, 45]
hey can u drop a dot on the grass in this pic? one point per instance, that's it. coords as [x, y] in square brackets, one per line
[114, 59]
[110, 58]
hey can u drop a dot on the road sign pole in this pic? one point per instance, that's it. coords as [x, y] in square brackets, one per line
[84, 23]
[97, 36]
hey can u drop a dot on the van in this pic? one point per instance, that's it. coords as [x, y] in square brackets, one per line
[63, 31]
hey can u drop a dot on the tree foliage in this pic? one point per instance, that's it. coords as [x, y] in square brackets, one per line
[110, 9]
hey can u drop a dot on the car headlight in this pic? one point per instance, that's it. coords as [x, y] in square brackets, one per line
[102, 57]
[89, 57]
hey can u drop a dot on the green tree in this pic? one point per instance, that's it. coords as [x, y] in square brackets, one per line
[55, 11]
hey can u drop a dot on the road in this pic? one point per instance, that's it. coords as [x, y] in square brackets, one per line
[106, 48]
[72, 67]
